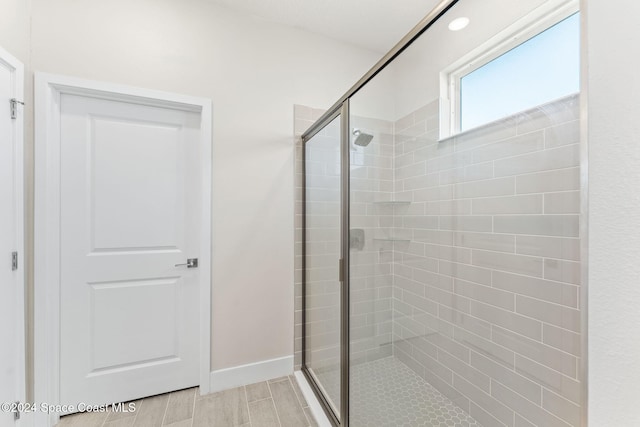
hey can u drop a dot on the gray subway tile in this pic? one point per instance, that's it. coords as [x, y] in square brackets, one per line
[465, 370]
[523, 422]
[466, 223]
[536, 350]
[424, 222]
[484, 400]
[448, 207]
[549, 247]
[449, 253]
[451, 346]
[546, 290]
[485, 294]
[562, 134]
[555, 314]
[562, 271]
[549, 378]
[486, 188]
[542, 225]
[522, 264]
[438, 237]
[483, 417]
[525, 407]
[561, 339]
[567, 202]
[507, 319]
[486, 241]
[522, 204]
[465, 321]
[556, 158]
[466, 272]
[549, 181]
[561, 408]
[429, 278]
[507, 377]
[434, 366]
[483, 135]
[497, 353]
[514, 146]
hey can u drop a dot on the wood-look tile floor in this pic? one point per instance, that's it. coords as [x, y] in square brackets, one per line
[274, 403]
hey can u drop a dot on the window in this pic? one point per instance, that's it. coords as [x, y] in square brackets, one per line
[511, 76]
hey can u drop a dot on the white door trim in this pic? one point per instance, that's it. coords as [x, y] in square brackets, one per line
[48, 91]
[18, 127]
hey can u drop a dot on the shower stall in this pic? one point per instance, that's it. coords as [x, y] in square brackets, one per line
[440, 219]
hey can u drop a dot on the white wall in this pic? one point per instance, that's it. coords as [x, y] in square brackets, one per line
[14, 28]
[254, 71]
[614, 212]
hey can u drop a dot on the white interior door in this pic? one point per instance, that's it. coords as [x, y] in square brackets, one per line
[130, 188]
[11, 235]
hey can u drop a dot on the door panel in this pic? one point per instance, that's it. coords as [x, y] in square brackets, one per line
[322, 255]
[152, 217]
[156, 336]
[130, 197]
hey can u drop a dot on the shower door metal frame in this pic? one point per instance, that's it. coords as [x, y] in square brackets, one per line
[342, 111]
[341, 107]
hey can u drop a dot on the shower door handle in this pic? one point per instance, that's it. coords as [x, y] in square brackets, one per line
[341, 270]
[191, 263]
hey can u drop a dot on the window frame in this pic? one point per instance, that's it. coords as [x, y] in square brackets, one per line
[526, 28]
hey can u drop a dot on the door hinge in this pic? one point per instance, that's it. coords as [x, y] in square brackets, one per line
[14, 107]
[16, 414]
[14, 261]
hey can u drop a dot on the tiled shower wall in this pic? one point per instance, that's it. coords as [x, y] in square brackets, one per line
[486, 292]
[479, 259]
[371, 279]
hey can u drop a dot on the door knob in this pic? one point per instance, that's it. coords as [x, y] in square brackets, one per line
[191, 263]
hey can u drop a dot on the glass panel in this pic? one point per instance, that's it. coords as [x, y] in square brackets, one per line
[465, 252]
[322, 249]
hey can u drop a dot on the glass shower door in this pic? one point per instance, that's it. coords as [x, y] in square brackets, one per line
[322, 253]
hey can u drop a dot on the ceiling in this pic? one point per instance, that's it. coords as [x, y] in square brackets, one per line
[372, 24]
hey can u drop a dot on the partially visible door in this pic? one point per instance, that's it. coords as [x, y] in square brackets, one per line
[131, 209]
[11, 235]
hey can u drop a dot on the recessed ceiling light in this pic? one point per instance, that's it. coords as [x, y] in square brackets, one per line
[458, 23]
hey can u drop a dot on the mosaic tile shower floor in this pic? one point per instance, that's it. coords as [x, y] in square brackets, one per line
[386, 393]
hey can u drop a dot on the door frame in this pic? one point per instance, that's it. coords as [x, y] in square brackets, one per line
[48, 91]
[18, 161]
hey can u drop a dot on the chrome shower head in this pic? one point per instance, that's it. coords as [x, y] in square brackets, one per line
[362, 139]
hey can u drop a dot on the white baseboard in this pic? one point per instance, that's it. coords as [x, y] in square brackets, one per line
[314, 405]
[237, 376]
